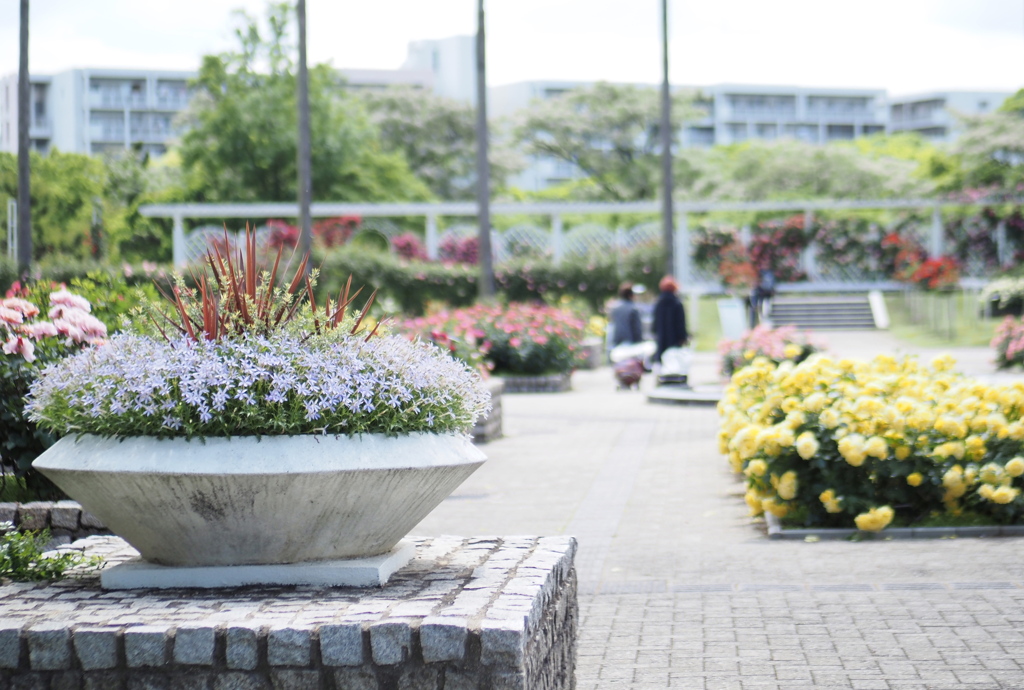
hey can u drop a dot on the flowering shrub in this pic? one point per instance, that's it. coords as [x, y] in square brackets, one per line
[937, 273]
[515, 339]
[1006, 295]
[1008, 343]
[455, 331]
[778, 345]
[241, 356]
[736, 269]
[863, 443]
[409, 247]
[328, 233]
[777, 246]
[31, 341]
[460, 250]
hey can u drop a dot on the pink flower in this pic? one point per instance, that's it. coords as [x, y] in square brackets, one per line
[11, 317]
[43, 329]
[27, 309]
[65, 298]
[515, 342]
[17, 345]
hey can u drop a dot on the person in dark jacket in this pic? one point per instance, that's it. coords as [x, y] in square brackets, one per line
[669, 318]
[625, 318]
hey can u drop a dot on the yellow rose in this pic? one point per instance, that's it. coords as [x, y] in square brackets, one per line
[914, 479]
[756, 468]
[807, 445]
[815, 402]
[876, 447]
[792, 351]
[875, 520]
[851, 447]
[787, 486]
[771, 505]
[1015, 467]
[829, 418]
[991, 473]
[749, 354]
[902, 452]
[1004, 495]
[753, 499]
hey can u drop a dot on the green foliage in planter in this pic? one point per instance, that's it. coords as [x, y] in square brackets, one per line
[22, 559]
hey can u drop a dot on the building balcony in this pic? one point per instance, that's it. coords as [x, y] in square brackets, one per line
[764, 113]
[174, 103]
[115, 100]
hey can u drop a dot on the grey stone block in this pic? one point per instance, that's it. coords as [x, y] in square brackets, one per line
[96, 648]
[419, 678]
[443, 639]
[147, 681]
[240, 681]
[390, 641]
[65, 515]
[49, 646]
[101, 680]
[66, 680]
[241, 649]
[355, 679]
[33, 681]
[192, 681]
[508, 681]
[145, 645]
[91, 521]
[8, 511]
[10, 643]
[502, 643]
[294, 680]
[341, 645]
[34, 515]
[288, 646]
[194, 644]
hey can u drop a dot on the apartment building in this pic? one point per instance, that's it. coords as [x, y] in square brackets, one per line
[933, 114]
[95, 110]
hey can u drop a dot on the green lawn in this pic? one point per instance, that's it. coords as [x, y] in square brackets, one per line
[706, 327]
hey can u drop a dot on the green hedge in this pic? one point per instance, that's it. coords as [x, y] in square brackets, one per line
[412, 285]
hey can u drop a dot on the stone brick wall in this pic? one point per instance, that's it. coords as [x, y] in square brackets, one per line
[65, 519]
[466, 614]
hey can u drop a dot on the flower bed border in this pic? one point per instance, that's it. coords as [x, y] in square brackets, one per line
[776, 531]
[552, 383]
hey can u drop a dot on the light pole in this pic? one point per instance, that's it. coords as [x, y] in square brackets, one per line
[483, 167]
[666, 147]
[24, 197]
[305, 154]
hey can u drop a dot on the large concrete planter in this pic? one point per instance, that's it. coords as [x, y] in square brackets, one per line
[243, 501]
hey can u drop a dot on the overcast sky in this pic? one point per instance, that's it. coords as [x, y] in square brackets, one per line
[904, 46]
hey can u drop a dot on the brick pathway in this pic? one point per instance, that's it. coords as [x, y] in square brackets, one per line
[680, 589]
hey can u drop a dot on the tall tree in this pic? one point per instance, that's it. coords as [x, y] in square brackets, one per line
[483, 168]
[241, 144]
[611, 132]
[437, 136]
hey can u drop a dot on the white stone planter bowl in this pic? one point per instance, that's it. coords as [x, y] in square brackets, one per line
[243, 501]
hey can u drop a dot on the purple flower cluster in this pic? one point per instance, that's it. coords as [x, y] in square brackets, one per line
[258, 385]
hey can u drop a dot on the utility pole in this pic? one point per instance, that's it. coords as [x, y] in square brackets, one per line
[483, 167]
[666, 148]
[305, 154]
[24, 195]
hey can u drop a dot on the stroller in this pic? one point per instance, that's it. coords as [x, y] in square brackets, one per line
[629, 362]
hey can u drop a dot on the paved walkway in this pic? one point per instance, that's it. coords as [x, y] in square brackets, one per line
[680, 589]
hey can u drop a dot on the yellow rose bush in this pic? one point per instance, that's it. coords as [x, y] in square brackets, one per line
[843, 443]
[784, 343]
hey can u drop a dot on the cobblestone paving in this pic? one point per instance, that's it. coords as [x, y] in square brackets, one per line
[680, 589]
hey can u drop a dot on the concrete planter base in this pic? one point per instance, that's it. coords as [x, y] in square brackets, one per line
[248, 501]
[553, 383]
[352, 572]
